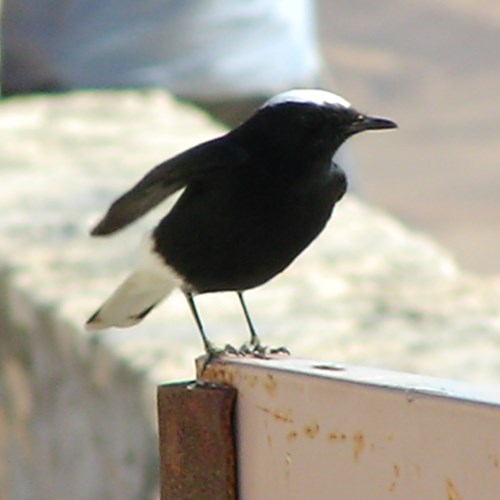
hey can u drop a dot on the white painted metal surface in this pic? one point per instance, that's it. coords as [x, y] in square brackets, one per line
[309, 430]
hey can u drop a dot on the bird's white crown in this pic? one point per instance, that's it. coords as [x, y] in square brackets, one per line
[312, 96]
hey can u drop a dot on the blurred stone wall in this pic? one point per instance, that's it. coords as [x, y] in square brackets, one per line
[77, 411]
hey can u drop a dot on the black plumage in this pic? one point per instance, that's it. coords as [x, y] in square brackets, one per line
[254, 199]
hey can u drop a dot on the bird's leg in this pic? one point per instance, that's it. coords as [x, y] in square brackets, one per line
[254, 338]
[255, 346]
[210, 348]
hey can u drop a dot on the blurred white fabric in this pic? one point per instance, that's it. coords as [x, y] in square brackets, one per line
[208, 49]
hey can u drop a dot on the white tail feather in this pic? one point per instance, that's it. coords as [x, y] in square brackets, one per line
[137, 295]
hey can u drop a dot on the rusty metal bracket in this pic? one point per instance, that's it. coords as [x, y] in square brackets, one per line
[197, 444]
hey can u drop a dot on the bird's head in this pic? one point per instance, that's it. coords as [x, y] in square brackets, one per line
[316, 120]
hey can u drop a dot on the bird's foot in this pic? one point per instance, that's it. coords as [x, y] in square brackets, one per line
[261, 351]
[253, 349]
[230, 349]
[213, 352]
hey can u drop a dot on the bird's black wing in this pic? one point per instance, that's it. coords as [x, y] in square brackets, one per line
[198, 162]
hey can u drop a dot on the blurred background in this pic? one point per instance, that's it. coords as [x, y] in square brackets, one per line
[431, 66]
[434, 68]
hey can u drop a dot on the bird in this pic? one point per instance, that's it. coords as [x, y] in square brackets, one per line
[253, 200]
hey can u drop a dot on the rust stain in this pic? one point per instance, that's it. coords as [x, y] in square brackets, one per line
[332, 436]
[494, 460]
[218, 373]
[336, 436]
[252, 380]
[270, 384]
[390, 437]
[359, 444]
[292, 436]
[280, 416]
[312, 430]
[451, 491]
[395, 468]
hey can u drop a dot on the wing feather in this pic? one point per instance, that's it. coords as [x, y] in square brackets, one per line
[201, 161]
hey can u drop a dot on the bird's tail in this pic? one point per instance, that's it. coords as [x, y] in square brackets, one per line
[138, 295]
[134, 299]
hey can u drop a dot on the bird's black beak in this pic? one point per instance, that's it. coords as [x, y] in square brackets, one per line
[364, 122]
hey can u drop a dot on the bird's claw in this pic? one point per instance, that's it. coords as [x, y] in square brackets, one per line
[230, 349]
[213, 352]
[279, 350]
[261, 351]
[251, 349]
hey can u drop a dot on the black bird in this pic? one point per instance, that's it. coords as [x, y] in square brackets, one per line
[254, 199]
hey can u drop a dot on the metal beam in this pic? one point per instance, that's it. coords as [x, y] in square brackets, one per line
[315, 430]
[197, 449]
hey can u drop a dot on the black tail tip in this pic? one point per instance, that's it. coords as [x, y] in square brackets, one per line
[93, 318]
[99, 230]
